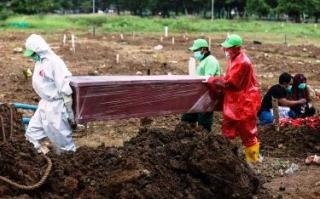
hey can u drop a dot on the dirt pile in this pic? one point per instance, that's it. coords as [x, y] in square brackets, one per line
[158, 163]
[290, 141]
[10, 122]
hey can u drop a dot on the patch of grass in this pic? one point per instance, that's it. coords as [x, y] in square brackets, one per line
[45, 23]
[107, 23]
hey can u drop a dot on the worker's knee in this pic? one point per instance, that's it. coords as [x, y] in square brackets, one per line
[34, 133]
[229, 128]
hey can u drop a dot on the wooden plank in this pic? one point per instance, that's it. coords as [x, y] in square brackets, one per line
[275, 108]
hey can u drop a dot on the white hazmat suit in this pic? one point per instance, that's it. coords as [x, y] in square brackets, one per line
[50, 81]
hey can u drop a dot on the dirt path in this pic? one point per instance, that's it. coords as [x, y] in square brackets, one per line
[303, 184]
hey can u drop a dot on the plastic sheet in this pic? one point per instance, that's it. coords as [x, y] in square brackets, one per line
[312, 122]
[120, 97]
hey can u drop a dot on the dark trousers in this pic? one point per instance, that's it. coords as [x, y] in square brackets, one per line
[204, 119]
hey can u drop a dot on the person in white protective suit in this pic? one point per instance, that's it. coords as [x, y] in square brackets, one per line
[50, 80]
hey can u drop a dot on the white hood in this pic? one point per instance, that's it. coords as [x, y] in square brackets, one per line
[37, 44]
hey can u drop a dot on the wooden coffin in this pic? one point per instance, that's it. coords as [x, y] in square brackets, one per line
[119, 97]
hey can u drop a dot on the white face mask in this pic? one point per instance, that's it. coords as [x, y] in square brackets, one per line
[226, 54]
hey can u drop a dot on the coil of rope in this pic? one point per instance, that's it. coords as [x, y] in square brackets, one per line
[4, 136]
[34, 186]
[7, 180]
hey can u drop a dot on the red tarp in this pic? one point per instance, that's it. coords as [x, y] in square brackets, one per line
[119, 97]
[312, 122]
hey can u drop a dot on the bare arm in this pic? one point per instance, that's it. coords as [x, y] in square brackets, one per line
[286, 102]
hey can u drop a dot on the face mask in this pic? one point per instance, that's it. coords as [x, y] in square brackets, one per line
[302, 86]
[198, 55]
[226, 54]
[289, 89]
[35, 57]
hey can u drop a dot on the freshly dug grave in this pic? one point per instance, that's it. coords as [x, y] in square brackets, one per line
[158, 163]
[290, 141]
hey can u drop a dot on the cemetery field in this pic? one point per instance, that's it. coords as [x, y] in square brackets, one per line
[130, 46]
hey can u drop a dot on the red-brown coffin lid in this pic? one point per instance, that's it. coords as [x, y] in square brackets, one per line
[79, 81]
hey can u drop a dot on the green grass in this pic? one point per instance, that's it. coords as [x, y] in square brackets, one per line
[137, 24]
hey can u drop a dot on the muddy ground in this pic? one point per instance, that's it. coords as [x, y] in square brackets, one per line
[97, 56]
[158, 163]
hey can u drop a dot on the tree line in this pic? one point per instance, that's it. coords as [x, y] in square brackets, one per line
[296, 10]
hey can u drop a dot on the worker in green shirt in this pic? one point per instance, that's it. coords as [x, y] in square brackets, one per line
[208, 66]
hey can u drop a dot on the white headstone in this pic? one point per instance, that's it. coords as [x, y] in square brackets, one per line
[117, 58]
[166, 30]
[64, 39]
[73, 43]
[192, 66]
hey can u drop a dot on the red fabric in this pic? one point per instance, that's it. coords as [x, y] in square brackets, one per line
[242, 100]
[216, 92]
[312, 122]
[242, 96]
[246, 129]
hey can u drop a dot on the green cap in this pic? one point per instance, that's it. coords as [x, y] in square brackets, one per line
[231, 41]
[199, 43]
[28, 53]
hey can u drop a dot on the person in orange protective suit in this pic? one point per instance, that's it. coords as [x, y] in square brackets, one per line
[242, 98]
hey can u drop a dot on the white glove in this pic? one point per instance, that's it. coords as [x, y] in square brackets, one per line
[206, 79]
[44, 147]
[67, 99]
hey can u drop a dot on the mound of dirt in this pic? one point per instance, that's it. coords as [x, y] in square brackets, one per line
[10, 122]
[290, 141]
[158, 163]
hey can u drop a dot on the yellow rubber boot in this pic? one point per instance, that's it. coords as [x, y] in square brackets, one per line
[252, 153]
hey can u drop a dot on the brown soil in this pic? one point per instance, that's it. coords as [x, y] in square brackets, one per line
[290, 141]
[10, 122]
[158, 163]
[282, 149]
[304, 184]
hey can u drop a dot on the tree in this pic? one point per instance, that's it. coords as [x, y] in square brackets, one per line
[235, 5]
[135, 7]
[312, 8]
[34, 6]
[258, 7]
[86, 6]
[293, 8]
[3, 11]
[272, 3]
